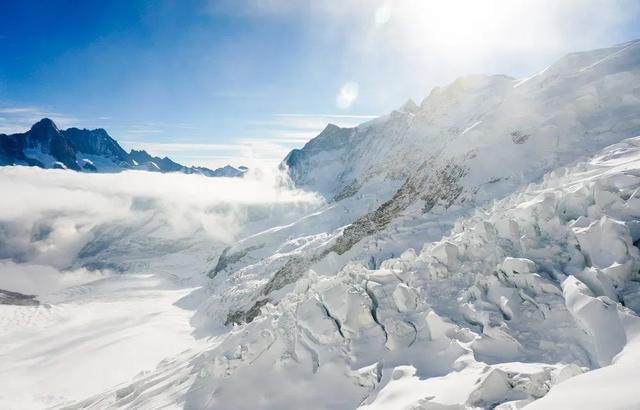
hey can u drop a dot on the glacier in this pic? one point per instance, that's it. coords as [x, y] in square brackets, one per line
[478, 250]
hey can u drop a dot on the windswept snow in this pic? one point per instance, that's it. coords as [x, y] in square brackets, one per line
[87, 338]
[513, 305]
[476, 251]
[100, 274]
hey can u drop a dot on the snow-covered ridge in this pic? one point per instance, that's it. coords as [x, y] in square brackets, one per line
[46, 146]
[399, 180]
[519, 298]
[476, 251]
[581, 103]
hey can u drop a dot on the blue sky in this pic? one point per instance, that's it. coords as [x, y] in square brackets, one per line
[243, 81]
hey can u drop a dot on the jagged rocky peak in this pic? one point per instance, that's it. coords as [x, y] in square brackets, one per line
[140, 155]
[498, 128]
[302, 163]
[47, 146]
[409, 106]
[45, 125]
[330, 137]
[42, 132]
[444, 97]
[97, 142]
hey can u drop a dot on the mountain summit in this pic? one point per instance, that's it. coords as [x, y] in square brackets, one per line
[479, 250]
[46, 146]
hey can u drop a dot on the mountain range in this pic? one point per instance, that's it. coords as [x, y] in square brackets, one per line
[46, 146]
[478, 250]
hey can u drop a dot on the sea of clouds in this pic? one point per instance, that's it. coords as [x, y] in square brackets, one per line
[49, 216]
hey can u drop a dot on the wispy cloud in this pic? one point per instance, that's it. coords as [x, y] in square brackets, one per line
[305, 126]
[159, 148]
[18, 110]
[21, 118]
[142, 131]
[176, 207]
[256, 152]
[400, 49]
[269, 140]
[265, 141]
[340, 116]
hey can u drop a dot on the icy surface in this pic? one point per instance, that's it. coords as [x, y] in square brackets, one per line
[478, 250]
[507, 308]
[100, 274]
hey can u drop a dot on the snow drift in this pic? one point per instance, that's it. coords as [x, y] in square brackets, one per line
[503, 310]
[478, 250]
[97, 272]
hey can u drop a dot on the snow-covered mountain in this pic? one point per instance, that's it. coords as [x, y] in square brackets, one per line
[403, 179]
[520, 302]
[479, 250]
[575, 106]
[46, 146]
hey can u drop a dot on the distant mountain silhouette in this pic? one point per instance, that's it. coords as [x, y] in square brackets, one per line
[46, 146]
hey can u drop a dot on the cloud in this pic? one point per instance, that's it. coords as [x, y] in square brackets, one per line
[265, 143]
[35, 279]
[87, 219]
[338, 116]
[18, 110]
[256, 152]
[302, 125]
[20, 119]
[168, 148]
[276, 136]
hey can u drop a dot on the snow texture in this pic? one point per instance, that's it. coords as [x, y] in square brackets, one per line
[478, 250]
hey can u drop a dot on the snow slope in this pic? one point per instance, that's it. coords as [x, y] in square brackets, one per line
[517, 302]
[458, 262]
[580, 104]
[87, 338]
[100, 274]
[419, 170]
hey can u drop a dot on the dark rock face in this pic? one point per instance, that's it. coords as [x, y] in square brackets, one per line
[11, 147]
[299, 161]
[142, 158]
[97, 142]
[226, 171]
[434, 185]
[43, 136]
[46, 146]
[165, 164]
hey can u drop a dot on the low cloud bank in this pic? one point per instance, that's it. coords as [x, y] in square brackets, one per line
[49, 216]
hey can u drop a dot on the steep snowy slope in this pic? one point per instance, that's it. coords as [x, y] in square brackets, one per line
[100, 274]
[586, 100]
[516, 300]
[405, 178]
[501, 304]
